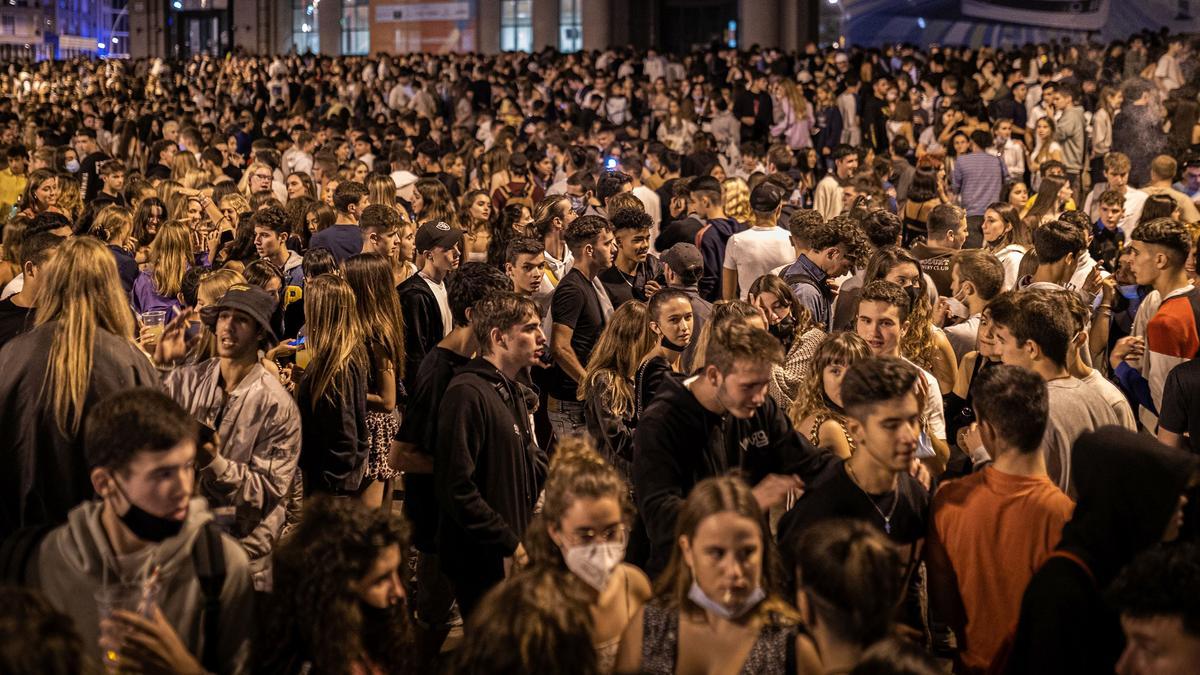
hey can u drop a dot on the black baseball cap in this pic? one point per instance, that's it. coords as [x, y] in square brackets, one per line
[766, 197]
[683, 257]
[247, 298]
[437, 233]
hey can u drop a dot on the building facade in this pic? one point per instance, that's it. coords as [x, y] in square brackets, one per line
[63, 29]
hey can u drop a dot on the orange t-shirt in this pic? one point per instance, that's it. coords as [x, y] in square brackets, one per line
[996, 529]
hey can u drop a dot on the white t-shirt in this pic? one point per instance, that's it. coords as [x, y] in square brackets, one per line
[757, 251]
[935, 416]
[443, 301]
[1168, 71]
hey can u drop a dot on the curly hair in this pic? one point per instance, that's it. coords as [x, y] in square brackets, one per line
[315, 616]
[843, 349]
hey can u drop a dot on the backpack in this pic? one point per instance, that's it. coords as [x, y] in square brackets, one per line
[208, 559]
[524, 197]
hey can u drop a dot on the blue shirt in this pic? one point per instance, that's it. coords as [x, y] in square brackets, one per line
[978, 180]
[342, 241]
[809, 296]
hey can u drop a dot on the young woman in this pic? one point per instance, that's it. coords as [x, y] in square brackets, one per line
[849, 581]
[715, 608]
[671, 322]
[370, 276]
[1015, 192]
[41, 193]
[300, 184]
[607, 385]
[584, 527]
[403, 266]
[1107, 108]
[792, 324]
[318, 217]
[158, 286]
[1045, 149]
[80, 350]
[70, 196]
[114, 226]
[721, 311]
[382, 190]
[959, 411]
[1052, 197]
[339, 601]
[736, 196]
[514, 222]
[1005, 235]
[923, 196]
[10, 248]
[476, 217]
[817, 411]
[332, 394]
[796, 122]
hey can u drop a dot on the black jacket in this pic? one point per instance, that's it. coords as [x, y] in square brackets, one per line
[679, 443]
[1128, 489]
[335, 442]
[488, 468]
[423, 327]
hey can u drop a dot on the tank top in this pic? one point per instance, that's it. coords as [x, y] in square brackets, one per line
[773, 653]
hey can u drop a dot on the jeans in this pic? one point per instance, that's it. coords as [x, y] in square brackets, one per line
[566, 418]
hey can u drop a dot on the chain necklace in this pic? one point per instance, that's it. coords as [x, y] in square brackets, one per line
[887, 519]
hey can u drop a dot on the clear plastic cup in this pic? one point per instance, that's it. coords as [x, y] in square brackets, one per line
[139, 598]
[155, 321]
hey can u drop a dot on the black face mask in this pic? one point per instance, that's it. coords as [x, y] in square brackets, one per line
[671, 345]
[784, 329]
[147, 526]
[914, 296]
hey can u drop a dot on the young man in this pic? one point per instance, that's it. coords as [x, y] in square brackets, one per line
[423, 298]
[716, 422]
[344, 238]
[12, 177]
[418, 434]
[141, 447]
[1034, 330]
[1058, 246]
[271, 230]
[488, 468]
[883, 312]
[1116, 175]
[634, 272]
[525, 265]
[1164, 330]
[112, 181]
[250, 467]
[577, 318]
[712, 238]
[947, 230]
[977, 180]
[976, 276]
[824, 250]
[754, 252]
[1070, 130]
[1156, 598]
[17, 311]
[380, 226]
[992, 529]
[1162, 175]
[1107, 234]
[550, 220]
[874, 485]
[827, 197]
[1010, 150]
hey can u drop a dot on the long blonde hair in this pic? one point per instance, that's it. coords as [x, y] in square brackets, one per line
[613, 363]
[842, 349]
[170, 255]
[795, 97]
[335, 335]
[735, 194]
[113, 224]
[381, 190]
[82, 293]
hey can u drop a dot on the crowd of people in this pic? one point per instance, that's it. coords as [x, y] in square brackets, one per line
[838, 361]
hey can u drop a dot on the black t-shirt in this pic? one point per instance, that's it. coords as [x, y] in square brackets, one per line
[622, 288]
[1180, 412]
[832, 494]
[576, 306]
[14, 320]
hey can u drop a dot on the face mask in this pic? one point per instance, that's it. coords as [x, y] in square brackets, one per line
[578, 205]
[145, 525]
[784, 329]
[957, 308]
[914, 295]
[181, 148]
[671, 345]
[72, 166]
[696, 595]
[376, 616]
[594, 563]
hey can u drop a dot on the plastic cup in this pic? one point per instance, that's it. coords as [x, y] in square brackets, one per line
[134, 598]
[156, 321]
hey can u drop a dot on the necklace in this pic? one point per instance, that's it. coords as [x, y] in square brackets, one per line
[887, 519]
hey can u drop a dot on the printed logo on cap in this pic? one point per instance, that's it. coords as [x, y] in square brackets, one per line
[443, 227]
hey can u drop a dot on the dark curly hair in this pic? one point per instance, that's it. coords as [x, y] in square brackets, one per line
[314, 616]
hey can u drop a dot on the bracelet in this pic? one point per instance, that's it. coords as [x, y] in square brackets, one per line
[1104, 306]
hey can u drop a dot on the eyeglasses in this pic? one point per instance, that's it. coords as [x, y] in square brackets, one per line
[617, 534]
[263, 176]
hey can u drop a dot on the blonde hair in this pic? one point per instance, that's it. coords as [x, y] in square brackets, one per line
[735, 194]
[214, 285]
[183, 164]
[842, 349]
[795, 96]
[113, 224]
[173, 200]
[70, 195]
[335, 335]
[382, 190]
[613, 363]
[170, 256]
[82, 293]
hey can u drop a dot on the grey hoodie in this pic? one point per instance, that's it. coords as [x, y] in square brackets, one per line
[76, 559]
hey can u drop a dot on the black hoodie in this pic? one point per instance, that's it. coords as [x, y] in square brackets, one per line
[487, 469]
[1128, 487]
[679, 443]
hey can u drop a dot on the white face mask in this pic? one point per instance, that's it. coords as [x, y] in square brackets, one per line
[594, 563]
[72, 166]
[698, 596]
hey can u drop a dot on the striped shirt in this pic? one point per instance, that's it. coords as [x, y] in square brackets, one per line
[978, 179]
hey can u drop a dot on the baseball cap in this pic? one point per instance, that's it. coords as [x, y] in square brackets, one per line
[683, 257]
[247, 298]
[518, 162]
[405, 184]
[437, 233]
[766, 197]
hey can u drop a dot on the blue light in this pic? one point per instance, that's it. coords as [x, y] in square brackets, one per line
[177, 4]
[309, 10]
[921, 22]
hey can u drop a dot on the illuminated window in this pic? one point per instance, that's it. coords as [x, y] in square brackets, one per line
[356, 31]
[516, 25]
[570, 25]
